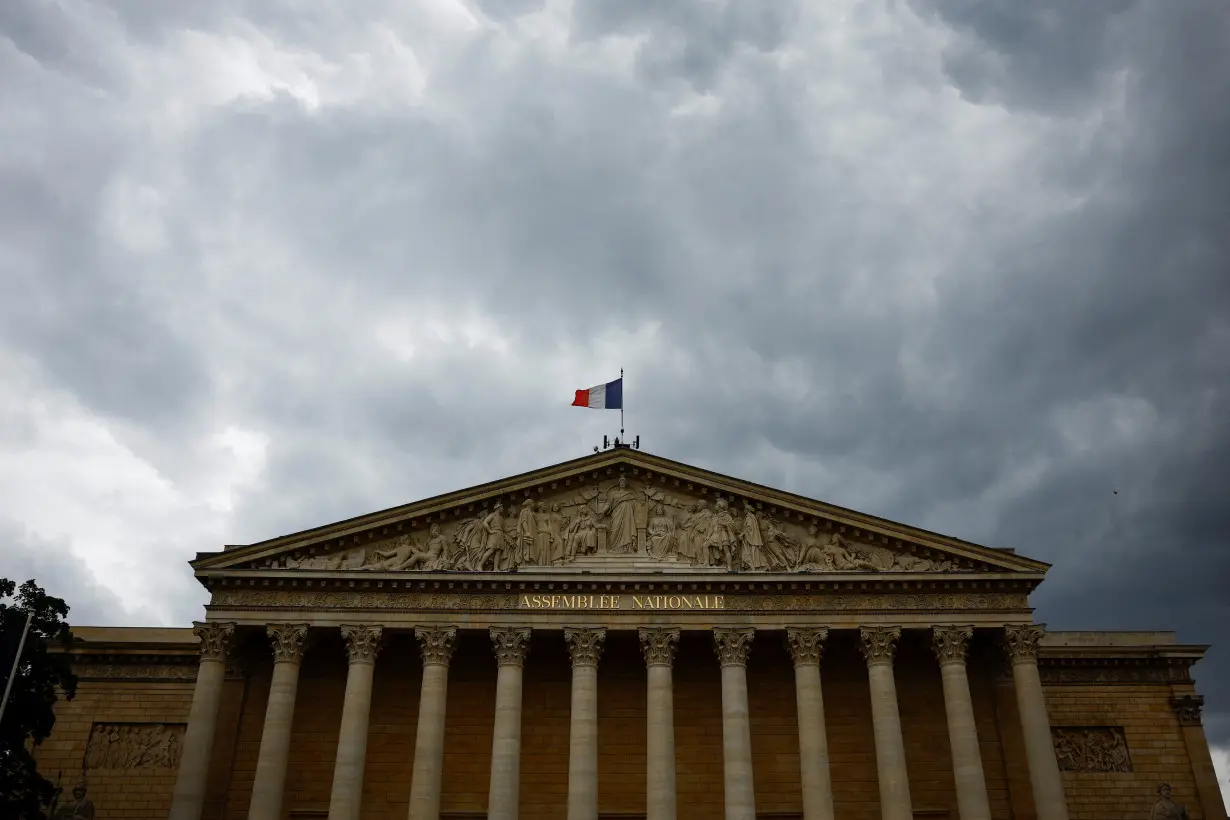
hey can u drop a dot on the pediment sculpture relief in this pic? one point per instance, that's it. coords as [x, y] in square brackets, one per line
[635, 522]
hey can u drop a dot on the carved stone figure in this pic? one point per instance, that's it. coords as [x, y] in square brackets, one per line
[661, 534]
[79, 808]
[1165, 808]
[493, 539]
[811, 555]
[778, 545]
[581, 534]
[549, 527]
[527, 536]
[694, 535]
[753, 557]
[621, 507]
[838, 556]
[723, 544]
[398, 557]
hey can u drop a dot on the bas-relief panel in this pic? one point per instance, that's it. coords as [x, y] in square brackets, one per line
[134, 746]
[622, 517]
[1091, 749]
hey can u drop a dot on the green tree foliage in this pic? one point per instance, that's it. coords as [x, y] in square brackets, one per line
[42, 678]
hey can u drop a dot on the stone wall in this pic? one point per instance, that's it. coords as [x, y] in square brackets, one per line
[1141, 714]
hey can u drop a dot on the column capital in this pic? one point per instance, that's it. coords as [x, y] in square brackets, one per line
[437, 644]
[1188, 708]
[362, 642]
[215, 638]
[806, 644]
[733, 644]
[288, 641]
[951, 643]
[585, 644]
[659, 644]
[1021, 641]
[879, 643]
[511, 644]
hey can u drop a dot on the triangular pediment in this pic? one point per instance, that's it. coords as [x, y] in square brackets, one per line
[620, 510]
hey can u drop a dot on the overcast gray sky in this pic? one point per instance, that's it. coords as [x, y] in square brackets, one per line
[265, 265]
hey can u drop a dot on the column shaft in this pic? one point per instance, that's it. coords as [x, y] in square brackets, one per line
[733, 646]
[659, 645]
[437, 646]
[1044, 778]
[806, 647]
[346, 797]
[188, 798]
[879, 645]
[951, 645]
[585, 646]
[269, 783]
[504, 797]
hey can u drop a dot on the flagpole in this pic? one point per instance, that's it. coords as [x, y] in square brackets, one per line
[621, 404]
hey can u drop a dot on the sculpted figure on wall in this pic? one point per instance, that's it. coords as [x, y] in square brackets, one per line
[79, 807]
[723, 542]
[661, 536]
[1165, 808]
[753, 556]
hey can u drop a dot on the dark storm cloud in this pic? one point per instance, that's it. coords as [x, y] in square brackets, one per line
[965, 269]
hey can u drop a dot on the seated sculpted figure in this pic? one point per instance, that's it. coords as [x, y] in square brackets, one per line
[406, 555]
[1165, 808]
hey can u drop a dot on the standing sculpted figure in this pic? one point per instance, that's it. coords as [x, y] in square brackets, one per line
[527, 535]
[694, 540]
[753, 542]
[492, 537]
[549, 527]
[1165, 808]
[621, 505]
[79, 808]
[723, 543]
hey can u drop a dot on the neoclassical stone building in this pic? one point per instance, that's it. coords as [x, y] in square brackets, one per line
[624, 636]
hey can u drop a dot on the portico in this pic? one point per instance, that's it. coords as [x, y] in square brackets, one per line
[627, 637]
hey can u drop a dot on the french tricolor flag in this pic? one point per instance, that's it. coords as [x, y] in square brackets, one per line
[609, 396]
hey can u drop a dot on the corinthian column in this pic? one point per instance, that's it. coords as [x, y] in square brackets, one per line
[806, 645]
[733, 646]
[270, 782]
[437, 646]
[511, 646]
[362, 644]
[879, 644]
[189, 796]
[951, 644]
[585, 646]
[1022, 644]
[659, 645]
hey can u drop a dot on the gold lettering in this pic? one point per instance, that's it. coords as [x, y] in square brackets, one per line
[614, 602]
[637, 603]
[673, 602]
[525, 602]
[688, 602]
[554, 601]
[719, 601]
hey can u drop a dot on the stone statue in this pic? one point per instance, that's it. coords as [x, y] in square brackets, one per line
[723, 544]
[621, 506]
[527, 536]
[549, 529]
[811, 554]
[838, 556]
[1165, 808]
[694, 535]
[778, 545]
[491, 537]
[661, 534]
[79, 808]
[753, 542]
[581, 534]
